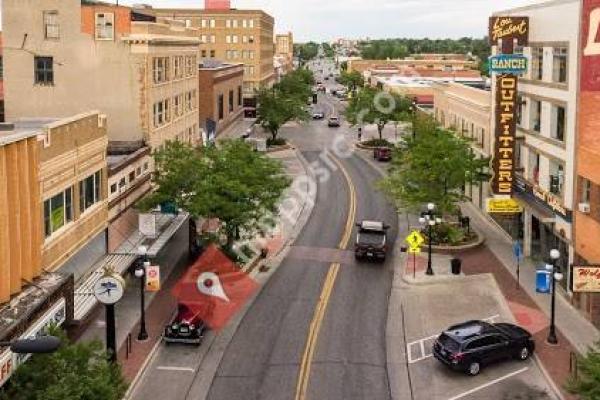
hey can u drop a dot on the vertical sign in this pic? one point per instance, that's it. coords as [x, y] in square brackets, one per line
[506, 129]
[505, 32]
[153, 278]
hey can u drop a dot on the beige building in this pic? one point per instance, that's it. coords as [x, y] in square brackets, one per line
[53, 196]
[63, 57]
[467, 111]
[438, 63]
[232, 36]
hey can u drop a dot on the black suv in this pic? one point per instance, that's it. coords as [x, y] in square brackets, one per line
[468, 346]
[371, 240]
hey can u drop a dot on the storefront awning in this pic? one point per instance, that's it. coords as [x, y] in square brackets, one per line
[542, 213]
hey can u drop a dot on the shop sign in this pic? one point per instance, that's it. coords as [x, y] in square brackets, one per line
[9, 361]
[152, 278]
[503, 206]
[508, 64]
[551, 200]
[506, 127]
[586, 279]
[509, 28]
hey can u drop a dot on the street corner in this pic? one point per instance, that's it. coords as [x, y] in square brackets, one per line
[429, 310]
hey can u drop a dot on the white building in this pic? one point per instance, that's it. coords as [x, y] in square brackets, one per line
[546, 130]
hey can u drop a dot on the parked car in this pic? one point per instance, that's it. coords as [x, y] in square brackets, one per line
[382, 154]
[186, 327]
[334, 122]
[469, 346]
[318, 115]
[371, 240]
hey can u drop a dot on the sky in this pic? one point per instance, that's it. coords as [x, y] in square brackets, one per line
[324, 20]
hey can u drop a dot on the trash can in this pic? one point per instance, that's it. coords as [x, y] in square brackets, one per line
[542, 280]
[456, 264]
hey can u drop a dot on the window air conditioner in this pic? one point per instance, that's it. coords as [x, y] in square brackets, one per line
[584, 208]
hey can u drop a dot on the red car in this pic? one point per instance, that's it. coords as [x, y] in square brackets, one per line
[382, 154]
[186, 327]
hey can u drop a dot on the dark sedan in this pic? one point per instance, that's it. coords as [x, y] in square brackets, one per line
[469, 346]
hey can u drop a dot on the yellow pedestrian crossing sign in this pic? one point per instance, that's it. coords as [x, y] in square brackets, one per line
[415, 240]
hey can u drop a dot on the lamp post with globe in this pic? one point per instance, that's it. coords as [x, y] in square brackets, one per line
[556, 275]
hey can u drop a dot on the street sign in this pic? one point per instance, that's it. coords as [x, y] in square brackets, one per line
[586, 278]
[508, 64]
[414, 250]
[415, 240]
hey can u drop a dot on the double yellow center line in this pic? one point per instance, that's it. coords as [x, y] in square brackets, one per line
[317, 320]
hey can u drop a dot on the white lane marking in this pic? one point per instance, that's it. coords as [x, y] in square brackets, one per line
[422, 352]
[182, 369]
[490, 383]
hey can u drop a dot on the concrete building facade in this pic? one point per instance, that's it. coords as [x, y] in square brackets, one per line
[221, 96]
[64, 57]
[232, 36]
[467, 111]
[546, 133]
[440, 63]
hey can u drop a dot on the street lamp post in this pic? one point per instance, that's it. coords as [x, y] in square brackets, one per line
[556, 276]
[430, 220]
[414, 117]
[140, 272]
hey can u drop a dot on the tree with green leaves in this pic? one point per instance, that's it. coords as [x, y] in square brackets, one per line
[586, 383]
[232, 183]
[352, 80]
[374, 106]
[76, 371]
[433, 167]
[285, 101]
[306, 51]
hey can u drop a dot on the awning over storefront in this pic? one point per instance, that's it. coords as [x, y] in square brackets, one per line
[542, 213]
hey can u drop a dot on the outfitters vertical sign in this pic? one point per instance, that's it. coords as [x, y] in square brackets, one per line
[505, 32]
[506, 126]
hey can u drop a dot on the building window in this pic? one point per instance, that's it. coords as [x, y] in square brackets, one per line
[178, 105]
[132, 176]
[234, 23]
[239, 96]
[43, 70]
[203, 53]
[559, 65]
[204, 23]
[113, 188]
[227, 23]
[536, 115]
[51, 27]
[190, 101]
[190, 64]
[160, 69]
[90, 191]
[213, 39]
[231, 101]
[537, 63]
[251, 23]
[178, 67]
[122, 183]
[557, 178]
[105, 26]
[146, 167]
[251, 54]
[234, 39]
[212, 54]
[558, 123]
[228, 39]
[534, 167]
[221, 107]
[212, 23]
[586, 190]
[58, 211]
[161, 113]
[251, 39]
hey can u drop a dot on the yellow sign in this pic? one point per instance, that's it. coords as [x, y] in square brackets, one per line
[153, 278]
[414, 250]
[503, 206]
[586, 279]
[415, 240]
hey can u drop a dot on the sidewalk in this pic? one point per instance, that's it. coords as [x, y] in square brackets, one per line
[236, 129]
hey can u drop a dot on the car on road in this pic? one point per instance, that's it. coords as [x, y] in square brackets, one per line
[333, 122]
[318, 115]
[186, 327]
[471, 345]
[382, 153]
[371, 240]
